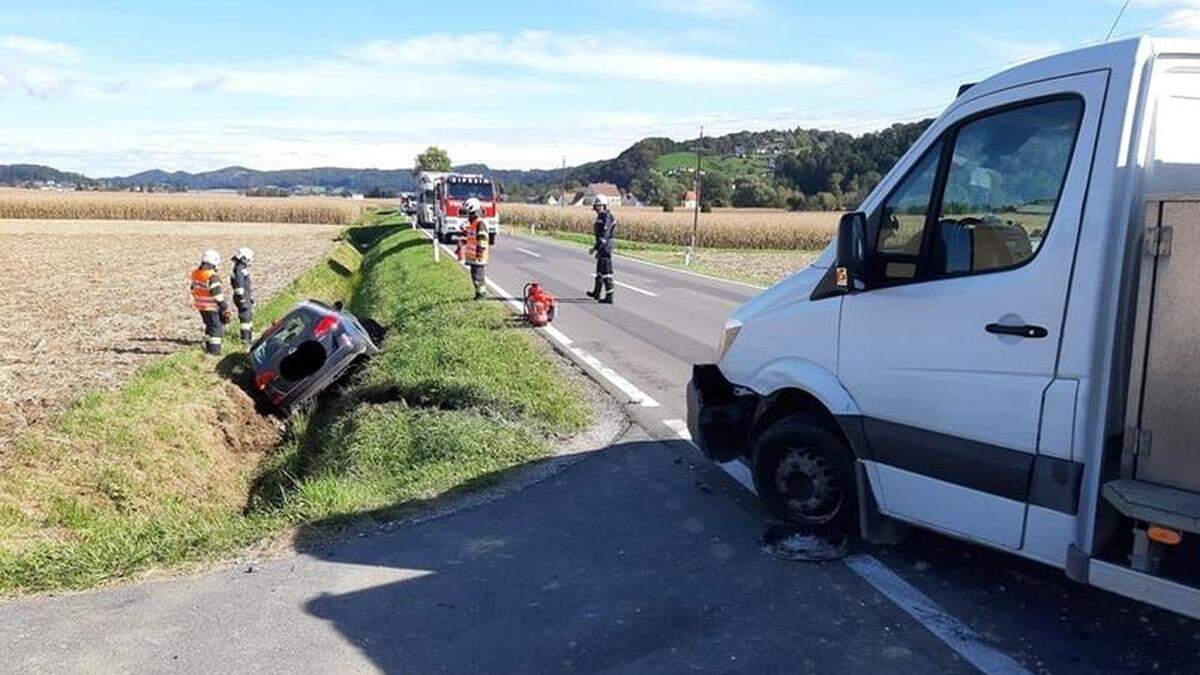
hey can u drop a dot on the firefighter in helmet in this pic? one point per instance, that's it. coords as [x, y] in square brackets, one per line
[603, 230]
[209, 299]
[475, 250]
[243, 292]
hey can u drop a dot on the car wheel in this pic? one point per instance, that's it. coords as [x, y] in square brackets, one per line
[804, 473]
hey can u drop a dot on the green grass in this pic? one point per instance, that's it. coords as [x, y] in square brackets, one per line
[162, 471]
[731, 166]
[751, 266]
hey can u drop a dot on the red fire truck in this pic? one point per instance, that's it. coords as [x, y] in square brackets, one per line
[451, 196]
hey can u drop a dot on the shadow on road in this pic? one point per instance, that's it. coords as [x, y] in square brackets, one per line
[619, 562]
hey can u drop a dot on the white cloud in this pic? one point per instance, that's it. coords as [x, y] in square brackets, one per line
[591, 56]
[709, 8]
[37, 48]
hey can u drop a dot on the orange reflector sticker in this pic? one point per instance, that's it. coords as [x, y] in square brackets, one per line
[1164, 536]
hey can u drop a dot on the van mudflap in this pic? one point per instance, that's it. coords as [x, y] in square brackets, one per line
[719, 414]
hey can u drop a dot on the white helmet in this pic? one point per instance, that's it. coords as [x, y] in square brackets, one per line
[601, 202]
[244, 254]
[211, 257]
[474, 207]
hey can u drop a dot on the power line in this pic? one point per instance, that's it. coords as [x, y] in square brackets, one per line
[1116, 21]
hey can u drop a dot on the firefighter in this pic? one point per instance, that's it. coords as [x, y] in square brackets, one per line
[209, 299]
[604, 230]
[243, 292]
[475, 251]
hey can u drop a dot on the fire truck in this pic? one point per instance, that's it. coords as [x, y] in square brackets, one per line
[451, 194]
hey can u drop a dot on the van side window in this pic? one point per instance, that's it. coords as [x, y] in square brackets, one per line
[1002, 186]
[901, 219]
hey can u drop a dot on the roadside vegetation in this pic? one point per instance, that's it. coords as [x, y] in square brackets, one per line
[178, 466]
[759, 267]
[190, 207]
[731, 228]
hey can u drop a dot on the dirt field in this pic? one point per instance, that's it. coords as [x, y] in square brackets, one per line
[85, 302]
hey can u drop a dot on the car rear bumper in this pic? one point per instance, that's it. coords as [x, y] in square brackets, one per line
[718, 415]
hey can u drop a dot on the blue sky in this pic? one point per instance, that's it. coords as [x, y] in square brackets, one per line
[108, 88]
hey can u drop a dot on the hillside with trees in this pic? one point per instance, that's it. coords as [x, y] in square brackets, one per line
[807, 169]
[801, 169]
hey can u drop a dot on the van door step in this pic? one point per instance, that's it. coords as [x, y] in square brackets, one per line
[1156, 504]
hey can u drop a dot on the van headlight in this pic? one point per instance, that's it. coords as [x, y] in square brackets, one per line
[728, 335]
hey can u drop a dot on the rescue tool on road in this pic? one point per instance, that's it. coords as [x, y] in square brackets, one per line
[540, 306]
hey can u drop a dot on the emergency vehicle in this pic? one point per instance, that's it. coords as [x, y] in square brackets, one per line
[426, 197]
[452, 193]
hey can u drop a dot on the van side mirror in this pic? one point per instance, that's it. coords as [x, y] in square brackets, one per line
[851, 266]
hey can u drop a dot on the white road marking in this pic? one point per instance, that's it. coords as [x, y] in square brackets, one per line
[635, 289]
[679, 427]
[636, 396]
[957, 635]
[528, 252]
[558, 336]
[741, 473]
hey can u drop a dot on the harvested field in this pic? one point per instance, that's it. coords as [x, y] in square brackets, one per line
[723, 228]
[190, 207]
[87, 302]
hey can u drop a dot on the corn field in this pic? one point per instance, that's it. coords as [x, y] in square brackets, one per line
[194, 207]
[723, 228]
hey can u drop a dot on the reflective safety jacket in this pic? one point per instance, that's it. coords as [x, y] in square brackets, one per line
[207, 295]
[243, 289]
[475, 250]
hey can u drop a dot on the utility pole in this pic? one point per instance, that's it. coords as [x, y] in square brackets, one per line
[687, 258]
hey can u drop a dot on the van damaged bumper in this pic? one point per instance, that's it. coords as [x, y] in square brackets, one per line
[719, 414]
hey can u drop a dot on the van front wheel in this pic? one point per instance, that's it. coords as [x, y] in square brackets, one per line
[804, 473]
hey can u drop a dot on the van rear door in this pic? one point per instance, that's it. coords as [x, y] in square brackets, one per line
[950, 351]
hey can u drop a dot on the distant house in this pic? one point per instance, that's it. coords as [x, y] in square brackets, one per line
[596, 189]
[689, 200]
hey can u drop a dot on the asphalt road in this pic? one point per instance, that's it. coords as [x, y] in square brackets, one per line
[639, 557]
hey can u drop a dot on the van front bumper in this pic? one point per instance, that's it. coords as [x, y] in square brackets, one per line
[719, 415]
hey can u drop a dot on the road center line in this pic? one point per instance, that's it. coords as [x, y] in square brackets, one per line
[528, 252]
[635, 289]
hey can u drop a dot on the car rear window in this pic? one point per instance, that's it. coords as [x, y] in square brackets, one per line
[292, 326]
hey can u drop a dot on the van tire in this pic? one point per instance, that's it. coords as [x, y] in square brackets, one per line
[804, 473]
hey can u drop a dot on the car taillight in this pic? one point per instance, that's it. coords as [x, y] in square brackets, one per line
[264, 379]
[325, 325]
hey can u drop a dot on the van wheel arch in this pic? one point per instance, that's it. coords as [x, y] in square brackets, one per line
[786, 402]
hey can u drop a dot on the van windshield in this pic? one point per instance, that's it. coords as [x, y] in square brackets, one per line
[470, 190]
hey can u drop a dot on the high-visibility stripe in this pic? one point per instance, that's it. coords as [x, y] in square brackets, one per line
[219, 297]
[247, 326]
[238, 290]
[214, 340]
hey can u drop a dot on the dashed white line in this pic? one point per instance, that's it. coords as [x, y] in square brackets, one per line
[635, 289]
[528, 252]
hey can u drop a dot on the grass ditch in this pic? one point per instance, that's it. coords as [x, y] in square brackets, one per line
[177, 466]
[761, 267]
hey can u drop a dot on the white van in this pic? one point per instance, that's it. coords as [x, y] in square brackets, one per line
[1003, 344]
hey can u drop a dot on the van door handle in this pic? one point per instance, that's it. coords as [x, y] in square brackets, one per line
[1019, 331]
